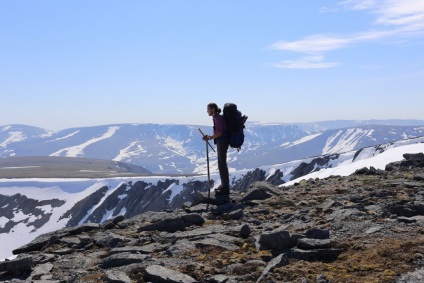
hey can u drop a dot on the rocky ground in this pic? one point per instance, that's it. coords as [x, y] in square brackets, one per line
[368, 227]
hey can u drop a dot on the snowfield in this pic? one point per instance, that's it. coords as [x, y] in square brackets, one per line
[378, 161]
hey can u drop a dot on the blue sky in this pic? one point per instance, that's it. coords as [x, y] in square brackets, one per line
[78, 63]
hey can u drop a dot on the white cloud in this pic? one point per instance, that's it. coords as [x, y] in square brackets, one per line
[312, 44]
[359, 4]
[310, 62]
[395, 19]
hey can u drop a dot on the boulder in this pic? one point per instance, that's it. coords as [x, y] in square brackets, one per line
[278, 239]
[418, 157]
[160, 274]
[406, 209]
[17, 266]
[261, 191]
[245, 231]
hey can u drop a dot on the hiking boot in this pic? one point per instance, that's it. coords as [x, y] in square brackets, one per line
[221, 191]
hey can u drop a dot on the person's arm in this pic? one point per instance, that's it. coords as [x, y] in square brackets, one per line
[217, 134]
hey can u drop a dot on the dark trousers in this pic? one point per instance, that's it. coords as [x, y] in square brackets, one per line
[222, 148]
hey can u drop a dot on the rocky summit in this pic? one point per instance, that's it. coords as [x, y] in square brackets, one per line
[368, 227]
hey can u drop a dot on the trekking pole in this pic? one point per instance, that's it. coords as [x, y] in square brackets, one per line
[207, 161]
[209, 173]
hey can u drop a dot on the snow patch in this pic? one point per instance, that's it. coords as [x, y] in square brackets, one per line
[3, 221]
[65, 137]
[133, 150]
[23, 167]
[346, 140]
[78, 150]
[107, 216]
[302, 140]
[175, 190]
[13, 137]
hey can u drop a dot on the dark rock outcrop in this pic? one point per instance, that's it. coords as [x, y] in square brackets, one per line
[17, 266]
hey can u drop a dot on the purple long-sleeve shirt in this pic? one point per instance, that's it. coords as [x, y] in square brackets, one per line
[219, 124]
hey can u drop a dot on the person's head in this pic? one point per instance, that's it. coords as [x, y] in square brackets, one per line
[213, 109]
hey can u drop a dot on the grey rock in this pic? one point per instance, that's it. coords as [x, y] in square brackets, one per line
[261, 191]
[17, 266]
[374, 230]
[412, 277]
[326, 255]
[311, 244]
[279, 261]
[160, 274]
[116, 276]
[181, 247]
[278, 239]
[42, 269]
[122, 259]
[319, 234]
[108, 239]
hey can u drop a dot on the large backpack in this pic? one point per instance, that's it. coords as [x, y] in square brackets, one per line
[235, 125]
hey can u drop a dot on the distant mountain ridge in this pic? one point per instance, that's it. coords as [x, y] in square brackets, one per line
[178, 149]
[31, 207]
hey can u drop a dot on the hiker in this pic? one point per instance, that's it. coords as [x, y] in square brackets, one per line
[220, 139]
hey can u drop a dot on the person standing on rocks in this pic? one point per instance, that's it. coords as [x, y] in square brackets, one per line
[220, 139]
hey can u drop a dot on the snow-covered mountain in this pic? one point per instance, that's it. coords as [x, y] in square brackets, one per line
[171, 149]
[30, 207]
